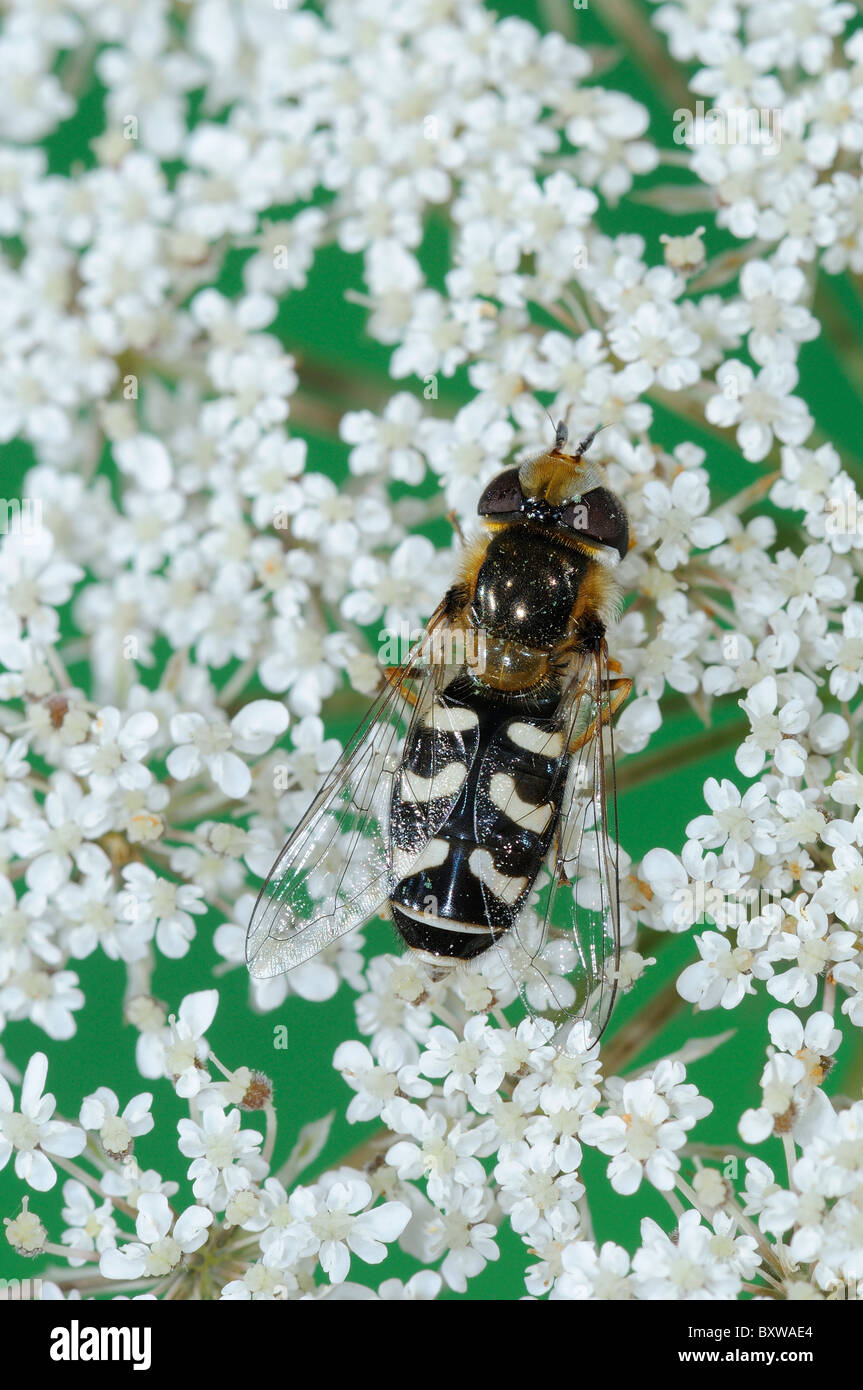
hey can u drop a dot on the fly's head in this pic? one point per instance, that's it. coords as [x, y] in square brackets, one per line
[564, 493]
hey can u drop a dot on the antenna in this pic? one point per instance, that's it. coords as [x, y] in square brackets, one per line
[561, 434]
[560, 430]
[585, 443]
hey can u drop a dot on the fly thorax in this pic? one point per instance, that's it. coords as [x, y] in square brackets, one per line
[526, 589]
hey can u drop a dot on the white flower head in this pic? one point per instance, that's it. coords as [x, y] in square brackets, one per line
[30, 1133]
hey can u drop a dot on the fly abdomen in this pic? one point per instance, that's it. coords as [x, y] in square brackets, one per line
[472, 878]
[518, 798]
[438, 939]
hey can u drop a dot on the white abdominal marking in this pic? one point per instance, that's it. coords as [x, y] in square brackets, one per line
[430, 919]
[439, 962]
[450, 718]
[535, 740]
[430, 857]
[507, 889]
[505, 797]
[423, 789]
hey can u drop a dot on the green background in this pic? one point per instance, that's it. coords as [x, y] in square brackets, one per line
[326, 334]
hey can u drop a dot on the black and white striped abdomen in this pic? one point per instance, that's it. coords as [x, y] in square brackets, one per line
[475, 872]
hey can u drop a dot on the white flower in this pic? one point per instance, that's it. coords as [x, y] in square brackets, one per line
[37, 990]
[387, 444]
[467, 451]
[145, 459]
[760, 407]
[656, 336]
[206, 744]
[739, 823]
[565, 1084]
[160, 907]
[813, 1042]
[275, 462]
[30, 1133]
[512, 1052]
[539, 1182]
[303, 662]
[645, 1127]
[725, 972]
[98, 916]
[667, 658]
[830, 1164]
[846, 661]
[809, 39]
[676, 520]
[808, 940]
[455, 1058]
[806, 477]
[462, 1230]
[377, 1082]
[333, 519]
[258, 725]
[780, 1078]
[55, 841]
[224, 1155]
[334, 1224]
[439, 336]
[101, 1112]
[13, 770]
[591, 1274]
[842, 886]
[442, 1150]
[181, 1051]
[162, 1240]
[115, 755]
[772, 731]
[769, 311]
[88, 1226]
[685, 1268]
[681, 888]
[399, 589]
[420, 1288]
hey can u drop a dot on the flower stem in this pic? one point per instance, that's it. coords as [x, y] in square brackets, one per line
[790, 1156]
[71, 1252]
[629, 22]
[634, 1037]
[270, 1137]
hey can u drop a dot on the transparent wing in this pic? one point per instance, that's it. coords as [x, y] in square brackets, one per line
[334, 872]
[570, 942]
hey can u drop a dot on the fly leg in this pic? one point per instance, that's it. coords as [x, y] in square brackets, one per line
[558, 870]
[396, 676]
[393, 676]
[618, 691]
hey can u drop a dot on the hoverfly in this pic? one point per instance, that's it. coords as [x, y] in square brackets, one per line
[466, 777]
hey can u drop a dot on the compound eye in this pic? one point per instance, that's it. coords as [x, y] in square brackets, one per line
[599, 516]
[503, 496]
